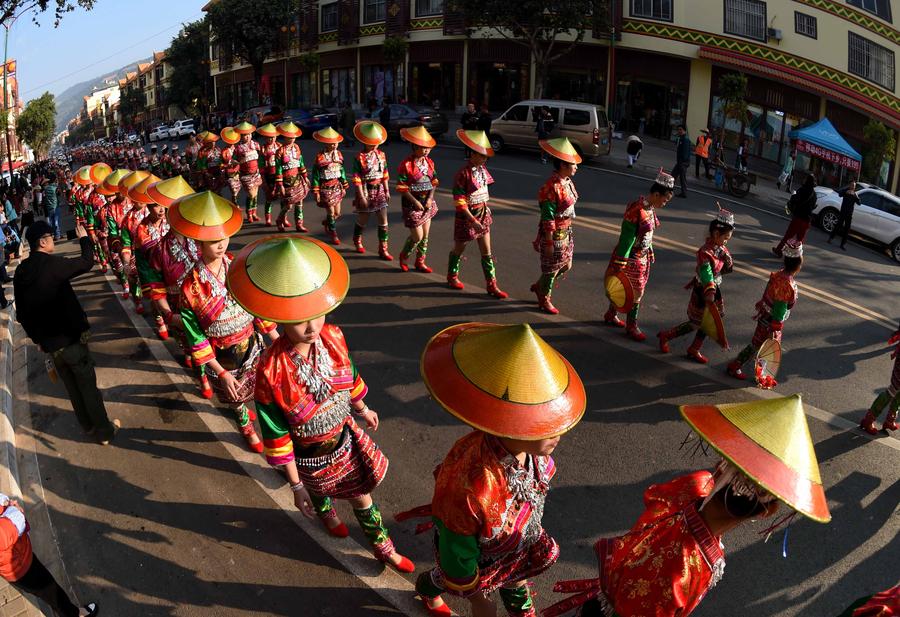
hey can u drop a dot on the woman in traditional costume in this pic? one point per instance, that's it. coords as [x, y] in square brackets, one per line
[247, 153]
[148, 234]
[329, 179]
[889, 398]
[291, 177]
[115, 210]
[268, 154]
[416, 183]
[128, 229]
[370, 177]
[309, 393]
[231, 168]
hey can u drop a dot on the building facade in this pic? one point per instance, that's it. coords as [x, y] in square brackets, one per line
[659, 67]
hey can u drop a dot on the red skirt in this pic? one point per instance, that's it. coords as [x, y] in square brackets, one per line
[562, 253]
[295, 193]
[251, 181]
[378, 198]
[234, 183]
[637, 269]
[240, 360]
[330, 196]
[464, 231]
[417, 218]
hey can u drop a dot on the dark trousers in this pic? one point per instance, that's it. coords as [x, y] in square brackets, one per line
[39, 582]
[679, 172]
[796, 229]
[76, 369]
[841, 228]
[697, 161]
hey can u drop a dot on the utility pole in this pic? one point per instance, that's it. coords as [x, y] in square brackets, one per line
[7, 26]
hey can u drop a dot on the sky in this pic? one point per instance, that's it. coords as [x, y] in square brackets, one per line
[90, 43]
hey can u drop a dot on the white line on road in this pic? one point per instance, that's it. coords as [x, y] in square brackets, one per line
[515, 171]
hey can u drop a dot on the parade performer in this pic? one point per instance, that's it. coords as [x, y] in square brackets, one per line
[890, 398]
[473, 212]
[95, 201]
[555, 239]
[154, 162]
[291, 178]
[371, 178]
[309, 393]
[231, 168]
[166, 163]
[774, 308]
[128, 230]
[329, 180]
[713, 261]
[416, 183]
[209, 162]
[145, 238]
[223, 337]
[268, 154]
[191, 151]
[113, 214]
[247, 153]
[673, 556]
[633, 254]
[489, 492]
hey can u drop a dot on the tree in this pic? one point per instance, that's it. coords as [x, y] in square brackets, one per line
[131, 103]
[10, 9]
[250, 29]
[188, 55]
[733, 90]
[538, 25]
[881, 145]
[37, 123]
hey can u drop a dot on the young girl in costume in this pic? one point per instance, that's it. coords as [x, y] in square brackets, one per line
[416, 183]
[329, 180]
[291, 180]
[890, 398]
[371, 177]
[246, 153]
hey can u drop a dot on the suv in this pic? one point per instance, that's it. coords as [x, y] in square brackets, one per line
[182, 128]
[584, 124]
[159, 133]
[877, 216]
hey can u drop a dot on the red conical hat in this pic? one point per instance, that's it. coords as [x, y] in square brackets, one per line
[419, 136]
[130, 180]
[138, 192]
[98, 172]
[110, 185]
[619, 291]
[476, 141]
[230, 136]
[205, 216]
[561, 148]
[713, 325]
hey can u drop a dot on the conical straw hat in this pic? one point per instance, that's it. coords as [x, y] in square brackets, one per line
[769, 441]
[289, 279]
[230, 136]
[83, 176]
[208, 137]
[476, 141]
[205, 216]
[419, 136]
[130, 180]
[370, 133]
[244, 128]
[504, 380]
[165, 192]
[138, 192]
[561, 148]
[289, 130]
[110, 185]
[267, 130]
[328, 136]
[98, 172]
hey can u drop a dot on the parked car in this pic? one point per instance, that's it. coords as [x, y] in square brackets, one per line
[160, 133]
[405, 116]
[263, 114]
[877, 216]
[586, 126]
[182, 128]
[311, 119]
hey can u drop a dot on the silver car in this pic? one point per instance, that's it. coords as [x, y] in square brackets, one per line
[877, 216]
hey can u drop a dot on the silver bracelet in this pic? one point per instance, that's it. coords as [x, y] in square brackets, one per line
[359, 412]
[297, 487]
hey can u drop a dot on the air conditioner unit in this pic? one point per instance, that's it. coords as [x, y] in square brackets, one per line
[775, 33]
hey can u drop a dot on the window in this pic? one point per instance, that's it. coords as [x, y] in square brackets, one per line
[429, 7]
[871, 61]
[519, 113]
[870, 199]
[652, 9]
[576, 117]
[882, 8]
[746, 18]
[805, 24]
[374, 11]
[329, 17]
[890, 206]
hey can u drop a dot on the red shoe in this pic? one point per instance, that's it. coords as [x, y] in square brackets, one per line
[205, 389]
[334, 238]
[439, 611]
[421, 266]
[734, 369]
[611, 319]
[890, 423]
[544, 302]
[359, 245]
[338, 531]
[405, 565]
[696, 356]
[126, 294]
[453, 282]
[139, 309]
[163, 332]
[188, 362]
[634, 333]
[251, 413]
[868, 424]
[268, 220]
[103, 268]
[249, 433]
[663, 336]
[383, 252]
[302, 228]
[401, 259]
[494, 290]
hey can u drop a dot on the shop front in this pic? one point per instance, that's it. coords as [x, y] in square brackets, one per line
[381, 81]
[337, 71]
[651, 93]
[499, 73]
[435, 74]
[579, 75]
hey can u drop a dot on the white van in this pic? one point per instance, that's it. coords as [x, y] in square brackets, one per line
[584, 124]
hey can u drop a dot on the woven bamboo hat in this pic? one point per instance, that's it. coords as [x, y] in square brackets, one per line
[83, 176]
[110, 184]
[289, 279]
[205, 216]
[419, 136]
[98, 172]
[476, 141]
[328, 136]
[130, 180]
[244, 128]
[503, 380]
[289, 130]
[267, 130]
[208, 137]
[165, 192]
[561, 148]
[138, 192]
[370, 133]
[769, 441]
[230, 135]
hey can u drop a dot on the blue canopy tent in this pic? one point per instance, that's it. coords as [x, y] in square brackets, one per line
[823, 141]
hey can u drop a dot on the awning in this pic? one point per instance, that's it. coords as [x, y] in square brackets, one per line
[823, 141]
[16, 165]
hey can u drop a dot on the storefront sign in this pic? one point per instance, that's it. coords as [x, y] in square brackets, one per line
[828, 155]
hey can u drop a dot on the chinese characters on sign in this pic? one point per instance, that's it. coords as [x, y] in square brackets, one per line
[828, 155]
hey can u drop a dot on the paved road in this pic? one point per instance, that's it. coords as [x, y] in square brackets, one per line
[175, 521]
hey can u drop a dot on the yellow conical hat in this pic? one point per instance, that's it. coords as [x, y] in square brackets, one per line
[244, 128]
[328, 136]
[205, 216]
[769, 441]
[83, 176]
[98, 172]
[230, 135]
[561, 148]
[138, 192]
[504, 380]
[476, 141]
[165, 192]
[289, 130]
[419, 136]
[267, 130]
[130, 180]
[110, 185]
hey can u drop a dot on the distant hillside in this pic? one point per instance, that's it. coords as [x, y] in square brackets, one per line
[69, 102]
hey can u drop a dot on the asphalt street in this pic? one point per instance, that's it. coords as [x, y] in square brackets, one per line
[177, 520]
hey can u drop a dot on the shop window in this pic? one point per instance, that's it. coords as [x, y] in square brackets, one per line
[425, 8]
[871, 61]
[374, 11]
[652, 9]
[746, 18]
[882, 8]
[338, 87]
[576, 117]
[806, 25]
[519, 113]
[329, 17]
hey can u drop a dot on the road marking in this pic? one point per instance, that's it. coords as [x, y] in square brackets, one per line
[515, 171]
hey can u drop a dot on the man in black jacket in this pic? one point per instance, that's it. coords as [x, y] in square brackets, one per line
[682, 159]
[52, 317]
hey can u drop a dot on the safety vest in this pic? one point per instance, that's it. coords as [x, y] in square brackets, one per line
[702, 147]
